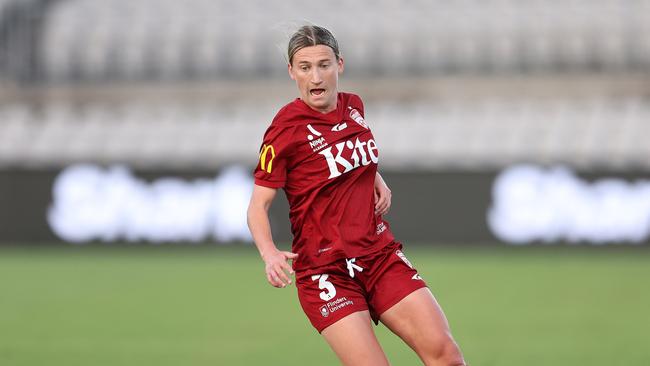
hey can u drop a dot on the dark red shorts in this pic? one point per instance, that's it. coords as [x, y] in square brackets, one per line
[375, 283]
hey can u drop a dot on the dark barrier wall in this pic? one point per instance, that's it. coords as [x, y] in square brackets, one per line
[434, 207]
[24, 196]
[521, 205]
[426, 206]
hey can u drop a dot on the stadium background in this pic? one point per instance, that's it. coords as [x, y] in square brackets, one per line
[513, 134]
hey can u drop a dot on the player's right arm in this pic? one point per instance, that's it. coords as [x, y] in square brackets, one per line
[277, 268]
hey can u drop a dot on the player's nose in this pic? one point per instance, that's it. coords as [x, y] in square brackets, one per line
[316, 77]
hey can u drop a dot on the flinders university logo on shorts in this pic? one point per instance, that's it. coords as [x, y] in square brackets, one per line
[334, 306]
[324, 311]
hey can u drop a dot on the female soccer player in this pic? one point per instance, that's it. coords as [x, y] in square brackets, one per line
[349, 269]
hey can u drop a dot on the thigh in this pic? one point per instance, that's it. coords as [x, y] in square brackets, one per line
[420, 322]
[354, 342]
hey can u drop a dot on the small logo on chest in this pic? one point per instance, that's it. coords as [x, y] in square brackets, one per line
[340, 127]
[316, 140]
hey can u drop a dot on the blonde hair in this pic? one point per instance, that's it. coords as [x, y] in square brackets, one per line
[311, 35]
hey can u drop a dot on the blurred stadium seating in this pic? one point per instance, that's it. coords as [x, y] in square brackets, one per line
[449, 85]
[170, 39]
[487, 134]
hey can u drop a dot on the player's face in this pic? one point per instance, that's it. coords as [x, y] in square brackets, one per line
[316, 72]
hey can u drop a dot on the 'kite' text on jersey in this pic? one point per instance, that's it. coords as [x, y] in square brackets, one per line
[356, 155]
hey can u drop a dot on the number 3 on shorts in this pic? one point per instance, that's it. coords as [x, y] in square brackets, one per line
[326, 285]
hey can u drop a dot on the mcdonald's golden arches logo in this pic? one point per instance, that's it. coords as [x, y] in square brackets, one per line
[266, 161]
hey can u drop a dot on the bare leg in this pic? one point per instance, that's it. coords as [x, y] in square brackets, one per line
[354, 342]
[420, 322]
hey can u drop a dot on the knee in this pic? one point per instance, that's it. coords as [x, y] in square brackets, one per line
[445, 352]
[451, 357]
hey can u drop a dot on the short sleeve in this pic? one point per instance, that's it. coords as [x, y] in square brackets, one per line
[271, 170]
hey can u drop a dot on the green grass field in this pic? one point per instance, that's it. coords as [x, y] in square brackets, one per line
[211, 305]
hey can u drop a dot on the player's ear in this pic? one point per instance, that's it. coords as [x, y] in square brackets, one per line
[341, 65]
[290, 70]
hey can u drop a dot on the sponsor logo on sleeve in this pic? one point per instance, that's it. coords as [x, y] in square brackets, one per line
[266, 158]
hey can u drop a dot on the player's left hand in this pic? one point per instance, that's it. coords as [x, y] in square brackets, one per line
[277, 268]
[382, 196]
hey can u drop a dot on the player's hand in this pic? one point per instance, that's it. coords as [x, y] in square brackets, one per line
[382, 196]
[278, 270]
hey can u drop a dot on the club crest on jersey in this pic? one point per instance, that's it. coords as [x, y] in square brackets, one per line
[316, 140]
[356, 117]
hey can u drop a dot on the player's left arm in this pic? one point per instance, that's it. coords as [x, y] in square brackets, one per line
[382, 195]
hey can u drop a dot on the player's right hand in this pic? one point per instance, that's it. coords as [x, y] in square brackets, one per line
[277, 267]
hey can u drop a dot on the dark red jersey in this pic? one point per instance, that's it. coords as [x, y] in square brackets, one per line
[326, 164]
